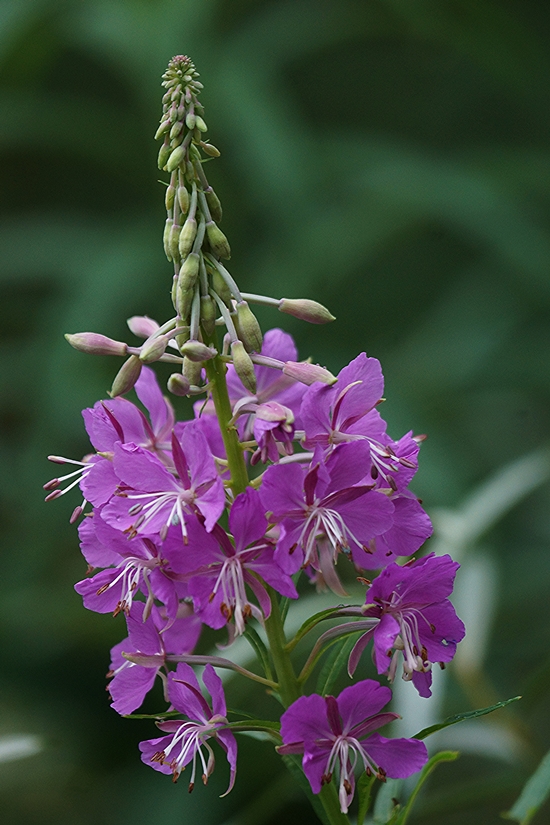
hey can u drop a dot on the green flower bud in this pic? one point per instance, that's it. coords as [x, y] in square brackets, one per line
[183, 337]
[178, 384]
[208, 315]
[197, 351]
[166, 238]
[200, 124]
[187, 236]
[306, 310]
[173, 240]
[169, 197]
[183, 199]
[210, 150]
[243, 366]
[96, 344]
[190, 121]
[187, 279]
[164, 126]
[164, 154]
[175, 158]
[192, 371]
[308, 373]
[214, 205]
[126, 377]
[221, 288]
[248, 328]
[217, 240]
[153, 349]
[176, 129]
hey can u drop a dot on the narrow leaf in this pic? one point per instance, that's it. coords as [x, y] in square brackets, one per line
[254, 640]
[443, 756]
[387, 801]
[535, 792]
[310, 623]
[364, 792]
[334, 664]
[461, 717]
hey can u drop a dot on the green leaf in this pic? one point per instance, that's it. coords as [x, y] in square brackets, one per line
[442, 756]
[294, 766]
[461, 717]
[386, 806]
[254, 724]
[310, 623]
[364, 793]
[334, 664]
[533, 795]
[254, 640]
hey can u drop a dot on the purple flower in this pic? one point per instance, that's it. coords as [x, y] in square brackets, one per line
[416, 619]
[325, 501]
[149, 640]
[151, 498]
[410, 528]
[187, 742]
[335, 734]
[346, 411]
[219, 570]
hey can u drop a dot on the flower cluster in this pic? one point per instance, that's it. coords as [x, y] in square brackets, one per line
[283, 469]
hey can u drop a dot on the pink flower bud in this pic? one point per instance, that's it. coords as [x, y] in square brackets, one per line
[126, 377]
[306, 310]
[96, 344]
[308, 373]
[142, 326]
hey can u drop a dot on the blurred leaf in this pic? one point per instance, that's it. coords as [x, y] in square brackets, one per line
[461, 717]
[364, 793]
[534, 794]
[429, 767]
[335, 662]
[386, 806]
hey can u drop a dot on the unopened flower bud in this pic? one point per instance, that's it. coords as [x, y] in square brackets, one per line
[214, 205]
[192, 371]
[176, 129]
[126, 377]
[142, 326]
[187, 236]
[178, 384]
[166, 238]
[175, 158]
[200, 124]
[210, 150]
[164, 154]
[208, 314]
[183, 199]
[187, 278]
[169, 197]
[153, 349]
[220, 288]
[197, 351]
[96, 344]
[190, 121]
[164, 126]
[243, 366]
[306, 310]
[173, 240]
[308, 373]
[217, 240]
[183, 336]
[248, 328]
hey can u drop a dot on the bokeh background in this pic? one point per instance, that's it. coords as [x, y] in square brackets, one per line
[389, 158]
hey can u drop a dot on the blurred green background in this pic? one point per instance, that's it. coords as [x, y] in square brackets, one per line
[389, 158]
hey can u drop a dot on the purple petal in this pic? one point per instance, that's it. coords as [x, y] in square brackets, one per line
[129, 687]
[282, 490]
[247, 521]
[357, 702]
[185, 694]
[153, 746]
[228, 742]
[158, 407]
[399, 758]
[305, 720]
[142, 470]
[384, 639]
[214, 685]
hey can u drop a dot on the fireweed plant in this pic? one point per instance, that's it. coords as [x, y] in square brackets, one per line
[284, 470]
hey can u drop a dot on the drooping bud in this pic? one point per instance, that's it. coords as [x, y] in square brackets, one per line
[190, 121]
[164, 126]
[153, 349]
[187, 236]
[308, 373]
[243, 366]
[166, 238]
[192, 371]
[178, 384]
[187, 278]
[306, 310]
[220, 287]
[183, 199]
[96, 344]
[126, 377]
[214, 205]
[208, 314]
[217, 240]
[169, 197]
[175, 158]
[248, 328]
[197, 351]
[200, 124]
[183, 336]
[164, 154]
[173, 240]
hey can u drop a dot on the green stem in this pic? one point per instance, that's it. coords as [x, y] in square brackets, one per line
[215, 370]
[331, 804]
[289, 687]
